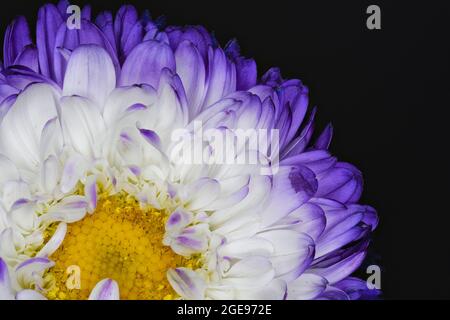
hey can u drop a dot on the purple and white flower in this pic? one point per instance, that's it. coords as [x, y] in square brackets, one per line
[99, 105]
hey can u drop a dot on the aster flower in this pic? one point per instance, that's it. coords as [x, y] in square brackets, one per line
[89, 181]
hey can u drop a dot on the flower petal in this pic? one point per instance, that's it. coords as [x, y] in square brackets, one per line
[69, 210]
[307, 287]
[187, 283]
[292, 187]
[145, 63]
[49, 20]
[90, 73]
[342, 183]
[6, 292]
[29, 294]
[83, 126]
[17, 37]
[55, 241]
[21, 128]
[191, 69]
[106, 289]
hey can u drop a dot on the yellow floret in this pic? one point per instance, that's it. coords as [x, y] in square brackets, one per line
[120, 241]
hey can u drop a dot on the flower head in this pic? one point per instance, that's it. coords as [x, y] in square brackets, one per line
[117, 179]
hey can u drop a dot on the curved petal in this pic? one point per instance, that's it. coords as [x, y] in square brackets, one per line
[21, 128]
[145, 63]
[6, 292]
[83, 125]
[49, 20]
[191, 69]
[292, 187]
[55, 241]
[17, 37]
[342, 183]
[29, 294]
[90, 73]
[106, 289]
[187, 283]
[306, 287]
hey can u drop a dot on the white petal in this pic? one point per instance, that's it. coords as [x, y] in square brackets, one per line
[50, 174]
[74, 169]
[24, 216]
[293, 252]
[90, 191]
[121, 99]
[202, 193]
[308, 286]
[51, 139]
[191, 69]
[167, 113]
[106, 289]
[259, 188]
[69, 210]
[90, 73]
[250, 272]
[8, 171]
[7, 246]
[275, 290]
[55, 241]
[292, 187]
[246, 247]
[6, 292]
[191, 240]
[187, 283]
[21, 129]
[31, 271]
[29, 294]
[82, 125]
[14, 191]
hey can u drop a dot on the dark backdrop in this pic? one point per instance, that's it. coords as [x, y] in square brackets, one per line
[385, 91]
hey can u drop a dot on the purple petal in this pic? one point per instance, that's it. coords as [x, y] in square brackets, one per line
[106, 24]
[339, 264]
[62, 7]
[28, 57]
[357, 289]
[318, 160]
[69, 40]
[151, 137]
[296, 97]
[49, 20]
[246, 71]
[301, 142]
[17, 37]
[272, 77]
[221, 77]
[133, 38]
[197, 35]
[126, 19]
[145, 64]
[343, 183]
[324, 140]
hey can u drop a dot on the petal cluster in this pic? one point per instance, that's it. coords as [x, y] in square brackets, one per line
[99, 105]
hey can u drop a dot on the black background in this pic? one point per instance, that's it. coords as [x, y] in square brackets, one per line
[385, 91]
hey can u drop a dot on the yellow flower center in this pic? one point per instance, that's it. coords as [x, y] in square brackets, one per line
[119, 241]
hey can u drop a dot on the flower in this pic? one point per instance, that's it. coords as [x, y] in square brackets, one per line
[97, 202]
